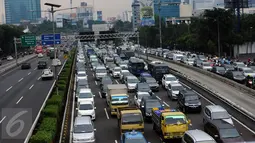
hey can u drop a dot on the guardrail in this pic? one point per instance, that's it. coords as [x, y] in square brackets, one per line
[42, 107]
[213, 75]
[13, 65]
[247, 118]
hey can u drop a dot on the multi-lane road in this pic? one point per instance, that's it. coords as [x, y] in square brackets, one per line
[22, 93]
[106, 125]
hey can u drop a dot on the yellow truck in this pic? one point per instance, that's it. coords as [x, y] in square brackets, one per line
[117, 97]
[129, 119]
[169, 123]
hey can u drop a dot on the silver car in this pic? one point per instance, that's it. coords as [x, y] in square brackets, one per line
[100, 72]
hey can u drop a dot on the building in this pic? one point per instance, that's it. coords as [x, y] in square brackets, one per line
[135, 14]
[20, 10]
[207, 4]
[167, 8]
[127, 15]
[99, 15]
[84, 12]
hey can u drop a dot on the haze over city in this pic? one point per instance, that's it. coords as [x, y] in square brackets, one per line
[110, 8]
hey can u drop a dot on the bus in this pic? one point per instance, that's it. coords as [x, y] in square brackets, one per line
[136, 66]
[158, 69]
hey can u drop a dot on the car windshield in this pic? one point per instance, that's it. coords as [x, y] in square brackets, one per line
[82, 82]
[140, 96]
[191, 60]
[86, 107]
[176, 119]
[107, 81]
[119, 100]
[101, 71]
[81, 74]
[117, 69]
[177, 88]
[240, 64]
[248, 71]
[191, 98]
[132, 118]
[143, 86]
[220, 68]
[206, 64]
[85, 128]
[135, 140]
[229, 133]
[171, 78]
[94, 63]
[221, 115]
[153, 103]
[150, 80]
[236, 73]
[132, 80]
[85, 95]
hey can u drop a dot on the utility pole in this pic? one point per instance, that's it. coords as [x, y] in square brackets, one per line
[218, 31]
[160, 31]
[16, 51]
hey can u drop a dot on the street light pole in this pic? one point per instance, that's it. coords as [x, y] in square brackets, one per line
[160, 31]
[218, 31]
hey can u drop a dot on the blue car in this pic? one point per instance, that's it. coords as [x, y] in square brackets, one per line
[133, 137]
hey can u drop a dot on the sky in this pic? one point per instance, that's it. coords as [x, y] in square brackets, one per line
[110, 8]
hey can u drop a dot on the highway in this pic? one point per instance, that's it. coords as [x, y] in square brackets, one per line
[22, 90]
[106, 125]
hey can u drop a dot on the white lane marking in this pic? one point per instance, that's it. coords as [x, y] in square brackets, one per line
[106, 113]
[2, 119]
[93, 75]
[185, 85]
[31, 87]
[19, 100]
[8, 88]
[96, 82]
[100, 94]
[35, 68]
[38, 78]
[166, 104]
[115, 141]
[20, 79]
[158, 98]
[117, 81]
[29, 73]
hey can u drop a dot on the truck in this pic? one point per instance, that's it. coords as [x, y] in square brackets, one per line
[170, 123]
[129, 119]
[117, 97]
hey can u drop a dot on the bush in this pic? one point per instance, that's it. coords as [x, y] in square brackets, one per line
[49, 125]
[60, 93]
[55, 100]
[42, 137]
[62, 82]
[62, 87]
[63, 78]
[51, 111]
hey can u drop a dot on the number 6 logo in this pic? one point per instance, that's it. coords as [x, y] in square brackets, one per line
[14, 120]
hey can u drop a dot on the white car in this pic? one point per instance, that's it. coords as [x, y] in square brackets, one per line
[81, 75]
[167, 79]
[121, 73]
[85, 94]
[206, 66]
[40, 55]
[9, 58]
[56, 62]
[86, 108]
[131, 82]
[247, 71]
[138, 97]
[116, 72]
[47, 74]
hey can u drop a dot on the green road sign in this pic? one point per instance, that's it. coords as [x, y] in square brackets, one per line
[28, 40]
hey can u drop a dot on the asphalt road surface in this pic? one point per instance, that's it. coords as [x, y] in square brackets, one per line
[22, 91]
[106, 125]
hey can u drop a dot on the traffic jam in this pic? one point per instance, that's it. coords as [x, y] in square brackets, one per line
[123, 99]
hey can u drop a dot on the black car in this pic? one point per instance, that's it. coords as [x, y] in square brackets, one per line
[218, 70]
[223, 132]
[142, 87]
[147, 104]
[235, 75]
[152, 83]
[189, 101]
[42, 65]
[25, 66]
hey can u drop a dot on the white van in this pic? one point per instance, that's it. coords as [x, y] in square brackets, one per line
[177, 57]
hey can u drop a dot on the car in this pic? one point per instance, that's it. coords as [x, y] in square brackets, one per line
[236, 76]
[103, 87]
[40, 55]
[42, 65]
[167, 79]
[216, 112]
[100, 72]
[9, 58]
[25, 66]
[173, 90]
[56, 62]
[247, 71]
[133, 137]
[218, 70]
[188, 101]
[197, 136]
[82, 83]
[47, 74]
[143, 87]
[106, 80]
[83, 130]
[138, 97]
[154, 86]
[223, 132]
[146, 105]
[116, 72]
[85, 94]
[131, 82]
[86, 108]
[81, 75]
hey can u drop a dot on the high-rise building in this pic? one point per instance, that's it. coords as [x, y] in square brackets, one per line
[135, 14]
[99, 15]
[126, 16]
[168, 8]
[19, 10]
[84, 12]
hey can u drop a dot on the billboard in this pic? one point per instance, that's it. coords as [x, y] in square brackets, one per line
[99, 15]
[147, 13]
[233, 3]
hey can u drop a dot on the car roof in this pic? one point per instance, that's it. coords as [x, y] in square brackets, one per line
[188, 92]
[131, 77]
[169, 75]
[215, 108]
[124, 70]
[47, 70]
[134, 135]
[199, 135]
[81, 72]
[143, 93]
[175, 84]
[221, 124]
[82, 120]
[85, 90]
[85, 102]
[100, 67]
